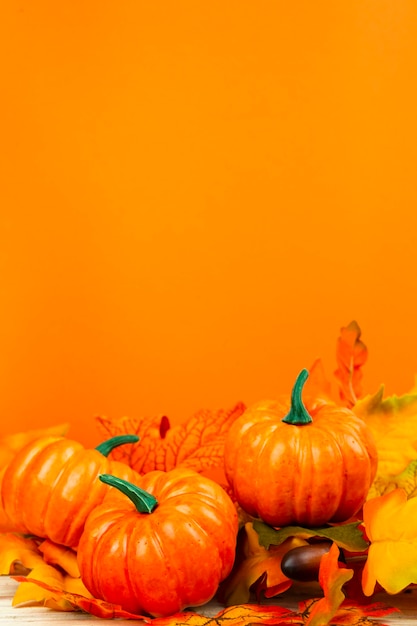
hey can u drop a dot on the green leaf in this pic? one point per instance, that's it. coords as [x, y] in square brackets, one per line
[347, 536]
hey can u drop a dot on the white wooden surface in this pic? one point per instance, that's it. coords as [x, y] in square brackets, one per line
[25, 616]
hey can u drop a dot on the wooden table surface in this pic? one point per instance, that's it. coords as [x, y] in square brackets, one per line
[25, 616]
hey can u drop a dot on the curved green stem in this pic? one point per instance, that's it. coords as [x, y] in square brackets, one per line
[298, 414]
[107, 446]
[143, 501]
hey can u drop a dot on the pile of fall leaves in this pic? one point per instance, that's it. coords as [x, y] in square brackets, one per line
[382, 541]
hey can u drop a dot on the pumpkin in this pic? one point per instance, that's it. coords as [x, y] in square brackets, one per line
[51, 485]
[161, 545]
[293, 463]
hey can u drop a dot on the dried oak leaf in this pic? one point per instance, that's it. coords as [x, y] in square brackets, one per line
[351, 355]
[257, 570]
[197, 444]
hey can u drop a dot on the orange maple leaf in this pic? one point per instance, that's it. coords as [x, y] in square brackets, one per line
[332, 577]
[351, 355]
[197, 444]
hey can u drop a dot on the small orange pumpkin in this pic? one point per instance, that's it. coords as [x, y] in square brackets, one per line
[161, 545]
[51, 485]
[290, 463]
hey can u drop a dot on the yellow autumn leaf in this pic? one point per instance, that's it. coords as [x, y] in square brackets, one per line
[393, 422]
[32, 593]
[407, 480]
[391, 526]
[18, 553]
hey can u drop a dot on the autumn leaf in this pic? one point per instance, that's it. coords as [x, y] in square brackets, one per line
[242, 615]
[390, 523]
[43, 562]
[350, 613]
[393, 422]
[256, 570]
[332, 577]
[351, 355]
[347, 536]
[18, 554]
[197, 444]
[407, 480]
[235, 615]
[41, 587]
[318, 385]
[56, 597]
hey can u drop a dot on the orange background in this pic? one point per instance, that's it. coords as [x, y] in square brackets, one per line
[196, 196]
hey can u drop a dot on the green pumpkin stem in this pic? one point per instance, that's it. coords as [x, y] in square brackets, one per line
[107, 446]
[143, 501]
[298, 414]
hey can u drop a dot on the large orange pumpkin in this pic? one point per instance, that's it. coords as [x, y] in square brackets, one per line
[51, 485]
[294, 463]
[159, 546]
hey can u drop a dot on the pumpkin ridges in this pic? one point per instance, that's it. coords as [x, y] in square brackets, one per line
[40, 487]
[87, 465]
[37, 468]
[302, 464]
[163, 561]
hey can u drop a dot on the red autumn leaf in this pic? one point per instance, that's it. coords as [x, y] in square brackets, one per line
[351, 355]
[197, 444]
[241, 615]
[348, 614]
